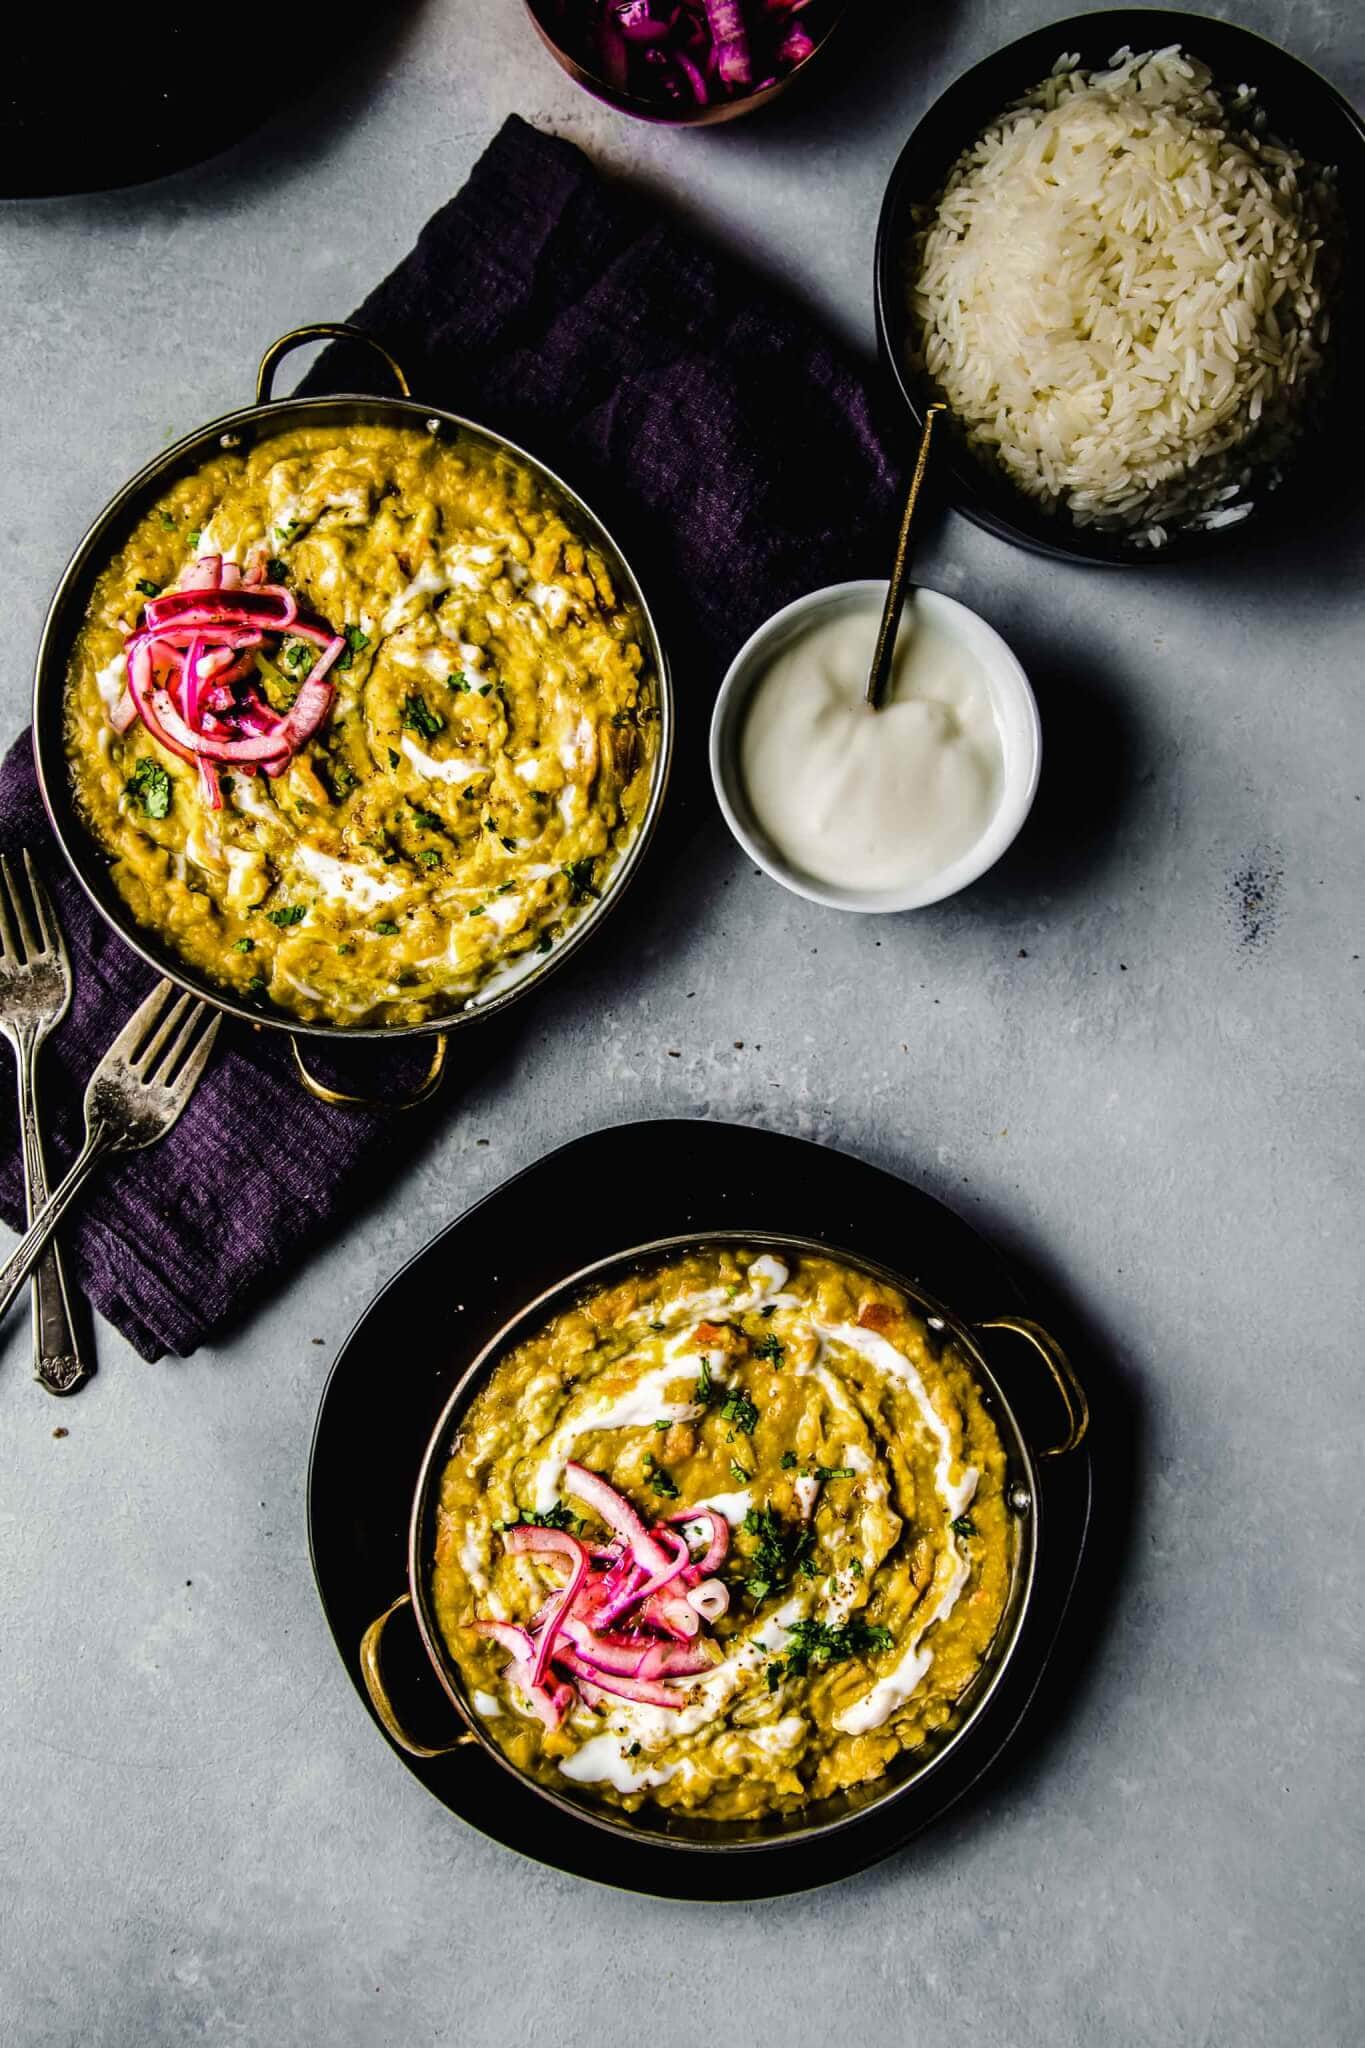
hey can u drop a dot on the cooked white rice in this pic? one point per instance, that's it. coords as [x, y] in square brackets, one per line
[1120, 284]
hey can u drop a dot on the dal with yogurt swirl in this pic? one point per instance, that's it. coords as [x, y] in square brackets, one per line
[863, 1558]
[485, 761]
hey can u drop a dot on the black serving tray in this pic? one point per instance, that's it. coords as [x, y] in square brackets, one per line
[611, 1189]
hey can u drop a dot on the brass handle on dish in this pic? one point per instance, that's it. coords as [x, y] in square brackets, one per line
[379, 1693]
[1063, 1373]
[341, 1099]
[320, 330]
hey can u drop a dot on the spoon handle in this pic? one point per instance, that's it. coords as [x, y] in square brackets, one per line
[879, 675]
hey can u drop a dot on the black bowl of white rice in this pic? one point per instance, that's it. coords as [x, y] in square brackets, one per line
[1120, 251]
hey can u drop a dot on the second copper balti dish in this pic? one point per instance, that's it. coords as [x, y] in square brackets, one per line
[574, 907]
[824, 1590]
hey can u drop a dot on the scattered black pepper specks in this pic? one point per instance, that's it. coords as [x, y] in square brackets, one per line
[1023, 952]
[739, 1045]
[59, 1431]
[317, 1340]
[1253, 898]
[674, 1055]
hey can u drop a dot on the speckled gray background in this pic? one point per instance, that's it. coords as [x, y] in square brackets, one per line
[1143, 1086]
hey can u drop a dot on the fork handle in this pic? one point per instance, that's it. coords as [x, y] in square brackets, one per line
[57, 1360]
[30, 1248]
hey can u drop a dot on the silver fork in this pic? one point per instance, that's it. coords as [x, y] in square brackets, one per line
[35, 994]
[133, 1097]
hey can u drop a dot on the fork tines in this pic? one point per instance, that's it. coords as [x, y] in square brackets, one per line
[151, 1051]
[14, 911]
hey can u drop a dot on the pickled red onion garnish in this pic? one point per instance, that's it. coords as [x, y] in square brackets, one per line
[711, 1599]
[560, 1543]
[718, 1531]
[617, 1512]
[191, 665]
[646, 1582]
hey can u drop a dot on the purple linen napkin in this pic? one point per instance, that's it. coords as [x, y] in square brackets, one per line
[733, 448]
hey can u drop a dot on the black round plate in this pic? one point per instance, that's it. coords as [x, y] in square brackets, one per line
[1301, 107]
[392, 1376]
[102, 99]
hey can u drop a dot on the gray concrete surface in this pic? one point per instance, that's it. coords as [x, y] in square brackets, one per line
[1108, 1060]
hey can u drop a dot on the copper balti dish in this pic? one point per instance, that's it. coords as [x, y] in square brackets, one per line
[671, 1830]
[266, 416]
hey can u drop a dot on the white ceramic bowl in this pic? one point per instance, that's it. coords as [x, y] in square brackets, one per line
[1015, 710]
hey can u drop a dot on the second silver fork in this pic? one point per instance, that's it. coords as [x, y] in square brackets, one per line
[133, 1098]
[35, 993]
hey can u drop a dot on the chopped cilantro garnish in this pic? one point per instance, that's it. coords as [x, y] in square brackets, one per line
[835, 1472]
[276, 571]
[557, 1517]
[738, 1473]
[299, 655]
[244, 946]
[661, 1481]
[458, 680]
[788, 1461]
[356, 643]
[194, 538]
[479, 910]
[386, 928]
[484, 688]
[430, 857]
[740, 1412]
[420, 717]
[503, 888]
[291, 913]
[703, 1377]
[257, 985]
[856, 1567]
[342, 778]
[771, 1348]
[509, 844]
[428, 820]
[634, 1749]
[393, 757]
[578, 874]
[663, 1423]
[825, 1642]
[779, 1552]
[965, 1526]
[147, 587]
[287, 530]
[150, 786]
[546, 945]
[168, 521]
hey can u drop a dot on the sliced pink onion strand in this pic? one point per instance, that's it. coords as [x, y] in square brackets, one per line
[710, 1599]
[719, 1540]
[523, 1539]
[616, 1511]
[643, 1691]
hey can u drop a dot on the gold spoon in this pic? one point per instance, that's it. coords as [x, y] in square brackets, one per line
[879, 675]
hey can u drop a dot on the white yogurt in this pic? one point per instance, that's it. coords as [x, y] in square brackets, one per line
[873, 801]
